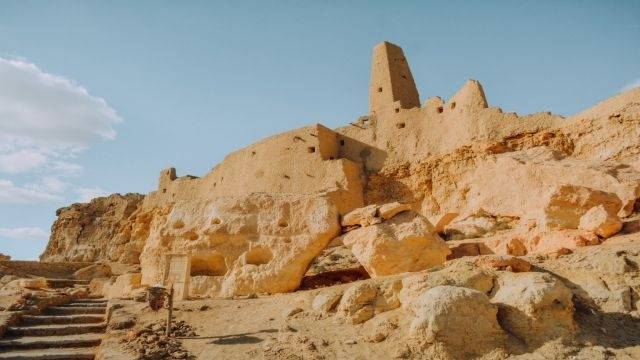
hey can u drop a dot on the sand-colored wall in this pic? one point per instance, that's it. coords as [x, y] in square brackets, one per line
[301, 161]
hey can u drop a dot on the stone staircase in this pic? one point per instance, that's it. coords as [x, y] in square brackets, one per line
[69, 332]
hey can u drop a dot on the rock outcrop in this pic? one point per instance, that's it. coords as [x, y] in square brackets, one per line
[98, 230]
[404, 243]
[258, 243]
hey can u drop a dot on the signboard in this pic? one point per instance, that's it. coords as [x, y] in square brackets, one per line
[177, 271]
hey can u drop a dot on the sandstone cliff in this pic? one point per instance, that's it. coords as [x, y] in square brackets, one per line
[98, 230]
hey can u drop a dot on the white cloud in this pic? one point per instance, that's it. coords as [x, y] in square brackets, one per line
[30, 193]
[46, 121]
[24, 233]
[631, 85]
[85, 194]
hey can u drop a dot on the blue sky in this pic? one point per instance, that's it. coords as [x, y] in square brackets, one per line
[103, 95]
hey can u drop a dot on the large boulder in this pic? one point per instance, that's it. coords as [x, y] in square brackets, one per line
[568, 203]
[364, 300]
[462, 319]
[535, 307]
[93, 271]
[601, 222]
[259, 243]
[404, 243]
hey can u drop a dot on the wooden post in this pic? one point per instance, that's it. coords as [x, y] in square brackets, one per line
[170, 310]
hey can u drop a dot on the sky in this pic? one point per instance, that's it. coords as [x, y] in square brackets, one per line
[99, 97]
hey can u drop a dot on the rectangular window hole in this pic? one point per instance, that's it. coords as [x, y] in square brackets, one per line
[400, 125]
[311, 149]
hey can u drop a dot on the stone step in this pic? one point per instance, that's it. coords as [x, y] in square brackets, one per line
[55, 329]
[44, 342]
[92, 300]
[50, 354]
[63, 283]
[60, 319]
[86, 304]
[68, 310]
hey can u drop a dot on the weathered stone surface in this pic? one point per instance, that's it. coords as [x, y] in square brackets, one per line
[461, 273]
[462, 319]
[528, 178]
[568, 203]
[364, 216]
[121, 287]
[364, 300]
[600, 221]
[326, 301]
[405, 243]
[94, 231]
[504, 262]
[4, 257]
[387, 211]
[253, 244]
[534, 306]
[475, 225]
[93, 271]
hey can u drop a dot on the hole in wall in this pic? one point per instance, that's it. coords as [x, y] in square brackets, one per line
[164, 191]
[440, 109]
[258, 256]
[253, 153]
[341, 142]
[212, 264]
[397, 110]
[331, 158]
[379, 89]
[283, 223]
[311, 149]
[453, 105]
[215, 221]
[400, 125]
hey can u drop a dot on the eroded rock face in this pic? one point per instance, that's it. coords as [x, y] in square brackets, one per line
[98, 230]
[404, 243]
[600, 221]
[258, 243]
[568, 203]
[462, 319]
[535, 307]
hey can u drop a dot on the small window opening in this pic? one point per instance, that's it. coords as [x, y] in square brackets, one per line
[331, 158]
[341, 142]
[397, 110]
[379, 89]
[440, 109]
[311, 149]
[164, 191]
[453, 105]
[400, 125]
